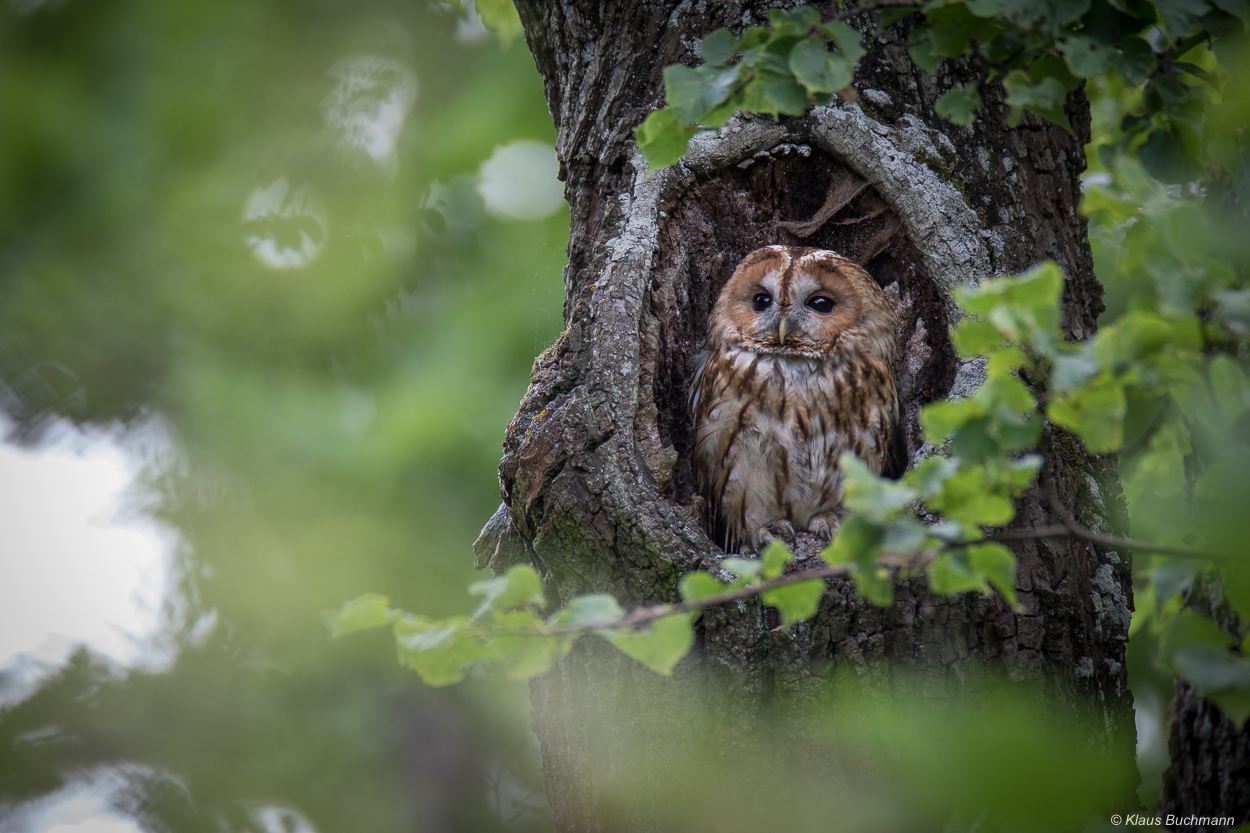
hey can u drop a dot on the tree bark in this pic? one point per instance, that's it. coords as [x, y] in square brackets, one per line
[1209, 776]
[597, 476]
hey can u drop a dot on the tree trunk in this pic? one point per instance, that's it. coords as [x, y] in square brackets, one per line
[1209, 776]
[597, 474]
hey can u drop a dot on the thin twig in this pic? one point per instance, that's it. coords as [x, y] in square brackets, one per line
[1076, 530]
[1070, 528]
[643, 615]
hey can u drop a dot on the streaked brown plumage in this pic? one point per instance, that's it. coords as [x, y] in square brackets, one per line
[797, 368]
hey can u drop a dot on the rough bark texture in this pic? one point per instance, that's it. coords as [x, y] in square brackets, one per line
[1210, 771]
[596, 475]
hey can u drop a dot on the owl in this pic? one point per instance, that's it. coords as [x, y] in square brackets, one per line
[797, 368]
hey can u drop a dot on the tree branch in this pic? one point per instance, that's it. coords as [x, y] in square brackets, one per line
[1070, 528]
[644, 615]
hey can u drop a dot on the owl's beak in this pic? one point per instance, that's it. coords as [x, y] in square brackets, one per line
[782, 328]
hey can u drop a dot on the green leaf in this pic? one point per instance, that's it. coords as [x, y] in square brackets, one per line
[699, 585]
[953, 28]
[968, 498]
[515, 588]
[782, 93]
[995, 561]
[1045, 97]
[1134, 60]
[685, 89]
[859, 541]
[817, 68]
[931, 474]
[1139, 336]
[976, 338]
[720, 84]
[500, 16]
[924, 52]
[719, 47]
[1180, 15]
[754, 36]
[658, 647]
[1085, 56]
[1172, 577]
[1166, 158]
[774, 559]
[744, 568]
[591, 608]
[1052, 66]
[662, 138]
[877, 498]
[1237, 8]
[975, 442]
[950, 573]
[959, 104]
[368, 611]
[796, 602]
[798, 21]
[875, 585]
[438, 651]
[1025, 306]
[943, 418]
[847, 38]
[1234, 702]
[1019, 473]
[1071, 370]
[1233, 310]
[904, 536]
[1046, 16]
[1212, 667]
[526, 655]
[1187, 629]
[856, 539]
[1095, 412]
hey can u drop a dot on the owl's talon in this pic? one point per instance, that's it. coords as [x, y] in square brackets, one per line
[824, 526]
[777, 529]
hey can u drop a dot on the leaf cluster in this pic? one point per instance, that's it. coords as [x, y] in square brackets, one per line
[1174, 360]
[1039, 52]
[779, 69]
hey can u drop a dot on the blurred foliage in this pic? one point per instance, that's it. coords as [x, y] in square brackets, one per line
[258, 224]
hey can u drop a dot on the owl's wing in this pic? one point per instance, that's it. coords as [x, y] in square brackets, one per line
[696, 382]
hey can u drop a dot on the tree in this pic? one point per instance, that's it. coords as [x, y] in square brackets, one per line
[948, 161]
[596, 474]
[592, 466]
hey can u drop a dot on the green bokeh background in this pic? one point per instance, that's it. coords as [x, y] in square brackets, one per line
[336, 427]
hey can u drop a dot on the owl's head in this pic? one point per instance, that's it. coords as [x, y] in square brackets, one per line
[789, 301]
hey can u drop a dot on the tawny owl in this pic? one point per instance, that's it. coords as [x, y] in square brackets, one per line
[797, 368]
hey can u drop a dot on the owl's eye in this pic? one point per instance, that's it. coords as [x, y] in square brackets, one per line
[762, 301]
[822, 304]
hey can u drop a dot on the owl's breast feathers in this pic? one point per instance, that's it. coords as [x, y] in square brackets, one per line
[769, 430]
